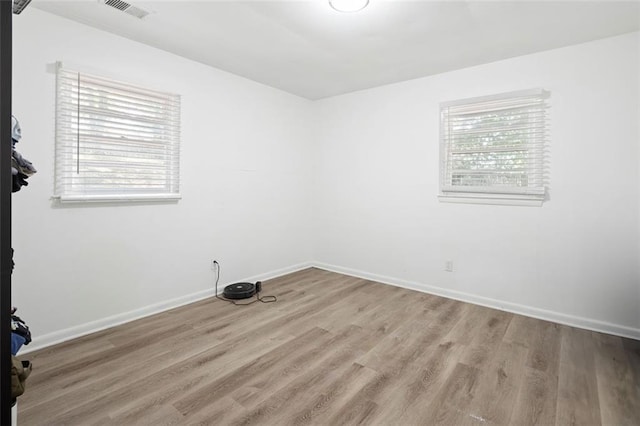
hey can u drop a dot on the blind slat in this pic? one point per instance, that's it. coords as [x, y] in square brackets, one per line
[529, 126]
[117, 124]
[121, 115]
[108, 139]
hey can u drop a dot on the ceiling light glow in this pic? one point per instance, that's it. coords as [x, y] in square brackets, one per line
[348, 5]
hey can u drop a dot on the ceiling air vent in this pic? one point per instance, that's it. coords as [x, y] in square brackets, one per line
[127, 8]
[19, 5]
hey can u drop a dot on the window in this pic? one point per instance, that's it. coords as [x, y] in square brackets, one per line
[115, 141]
[493, 149]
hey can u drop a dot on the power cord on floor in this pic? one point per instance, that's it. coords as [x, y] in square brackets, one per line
[264, 299]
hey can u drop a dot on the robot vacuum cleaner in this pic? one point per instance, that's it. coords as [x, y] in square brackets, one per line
[242, 290]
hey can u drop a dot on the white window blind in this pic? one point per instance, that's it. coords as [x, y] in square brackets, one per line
[115, 141]
[494, 147]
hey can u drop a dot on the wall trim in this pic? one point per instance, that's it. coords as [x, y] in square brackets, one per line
[543, 314]
[50, 339]
[60, 336]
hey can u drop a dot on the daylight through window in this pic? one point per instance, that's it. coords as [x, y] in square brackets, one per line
[115, 141]
[493, 148]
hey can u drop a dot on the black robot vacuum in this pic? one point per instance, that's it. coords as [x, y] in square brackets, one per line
[242, 290]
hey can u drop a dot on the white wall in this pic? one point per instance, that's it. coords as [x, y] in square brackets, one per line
[574, 260]
[271, 182]
[244, 175]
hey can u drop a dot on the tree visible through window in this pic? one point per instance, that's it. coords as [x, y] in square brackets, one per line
[494, 147]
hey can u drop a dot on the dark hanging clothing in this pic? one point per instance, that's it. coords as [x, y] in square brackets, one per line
[21, 168]
[23, 165]
[20, 328]
[18, 182]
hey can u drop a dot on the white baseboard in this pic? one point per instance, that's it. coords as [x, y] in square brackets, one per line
[40, 342]
[543, 314]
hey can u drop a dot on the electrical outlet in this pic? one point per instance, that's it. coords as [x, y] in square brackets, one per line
[214, 264]
[448, 266]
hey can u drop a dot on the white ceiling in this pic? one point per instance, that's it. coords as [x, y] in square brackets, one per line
[306, 48]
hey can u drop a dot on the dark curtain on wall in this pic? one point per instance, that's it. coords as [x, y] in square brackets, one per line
[6, 11]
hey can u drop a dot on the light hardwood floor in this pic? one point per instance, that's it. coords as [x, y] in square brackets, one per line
[336, 350]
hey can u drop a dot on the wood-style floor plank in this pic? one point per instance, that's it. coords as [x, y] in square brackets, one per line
[578, 402]
[336, 350]
[617, 391]
[498, 386]
[537, 399]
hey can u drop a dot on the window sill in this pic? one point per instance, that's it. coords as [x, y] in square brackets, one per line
[133, 198]
[495, 199]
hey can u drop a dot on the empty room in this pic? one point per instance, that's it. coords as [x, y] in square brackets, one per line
[325, 212]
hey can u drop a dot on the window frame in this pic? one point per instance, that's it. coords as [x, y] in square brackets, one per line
[165, 137]
[496, 194]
